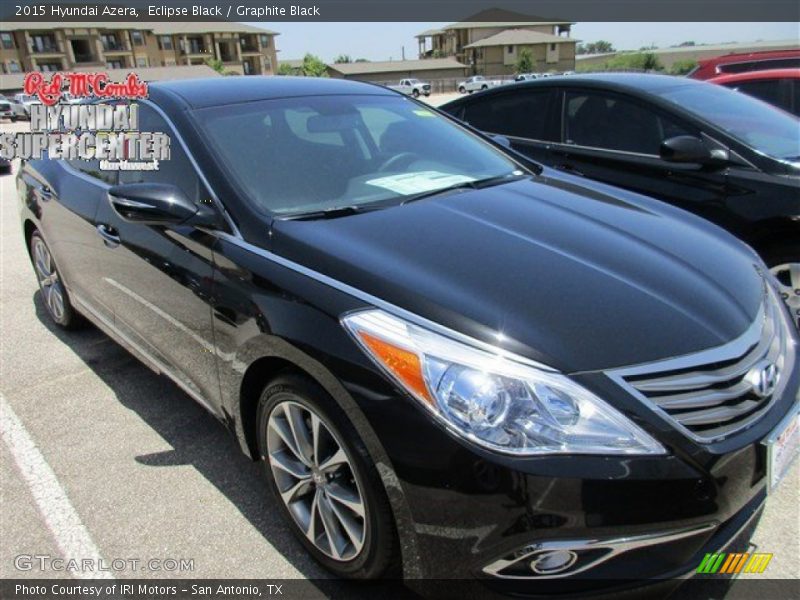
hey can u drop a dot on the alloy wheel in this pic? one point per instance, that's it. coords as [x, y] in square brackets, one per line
[788, 276]
[316, 480]
[49, 281]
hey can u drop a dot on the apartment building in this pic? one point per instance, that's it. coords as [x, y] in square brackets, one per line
[491, 47]
[242, 49]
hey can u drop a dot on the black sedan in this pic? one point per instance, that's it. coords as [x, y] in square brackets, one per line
[723, 155]
[448, 363]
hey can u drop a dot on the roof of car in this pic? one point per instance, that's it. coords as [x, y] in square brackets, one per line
[200, 93]
[756, 76]
[650, 82]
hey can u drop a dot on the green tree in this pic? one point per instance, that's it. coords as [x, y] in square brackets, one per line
[314, 67]
[342, 59]
[682, 67]
[525, 61]
[362, 60]
[598, 47]
[633, 61]
[217, 65]
[286, 69]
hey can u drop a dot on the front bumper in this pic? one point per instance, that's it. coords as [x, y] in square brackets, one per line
[471, 509]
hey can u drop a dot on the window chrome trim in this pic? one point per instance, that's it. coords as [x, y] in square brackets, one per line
[379, 303]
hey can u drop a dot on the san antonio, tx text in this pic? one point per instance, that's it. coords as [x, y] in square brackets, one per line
[147, 590]
[86, 132]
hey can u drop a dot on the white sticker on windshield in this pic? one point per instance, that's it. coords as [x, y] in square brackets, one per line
[421, 181]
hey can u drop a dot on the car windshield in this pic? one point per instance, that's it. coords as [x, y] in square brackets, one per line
[315, 153]
[761, 126]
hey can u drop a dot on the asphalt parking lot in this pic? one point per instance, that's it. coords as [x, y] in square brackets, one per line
[104, 458]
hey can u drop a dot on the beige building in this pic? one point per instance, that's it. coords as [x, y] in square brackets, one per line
[498, 54]
[243, 49]
[473, 43]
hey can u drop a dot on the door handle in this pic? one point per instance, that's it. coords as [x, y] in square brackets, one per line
[109, 234]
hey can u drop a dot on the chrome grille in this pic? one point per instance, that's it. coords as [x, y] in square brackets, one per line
[714, 393]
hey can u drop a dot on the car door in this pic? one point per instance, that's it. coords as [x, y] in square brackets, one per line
[527, 117]
[159, 277]
[65, 196]
[616, 138]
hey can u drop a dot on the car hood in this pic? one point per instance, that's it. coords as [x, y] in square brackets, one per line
[578, 276]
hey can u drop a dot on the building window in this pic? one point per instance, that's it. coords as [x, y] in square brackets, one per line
[49, 67]
[165, 42]
[142, 62]
[115, 64]
[13, 66]
[137, 37]
[8, 40]
[510, 49]
[552, 47]
[264, 41]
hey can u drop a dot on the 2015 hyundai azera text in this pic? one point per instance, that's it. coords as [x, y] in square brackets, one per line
[451, 362]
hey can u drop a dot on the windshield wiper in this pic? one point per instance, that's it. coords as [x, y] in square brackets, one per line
[477, 184]
[331, 213]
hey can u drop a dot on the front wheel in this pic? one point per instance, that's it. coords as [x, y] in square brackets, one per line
[484, 87]
[784, 263]
[322, 477]
[462, 90]
[415, 93]
[55, 296]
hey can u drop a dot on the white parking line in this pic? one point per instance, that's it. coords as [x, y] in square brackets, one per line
[64, 523]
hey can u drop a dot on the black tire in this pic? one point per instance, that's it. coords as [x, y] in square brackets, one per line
[462, 90]
[415, 93]
[484, 87]
[379, 555]
[61, 312]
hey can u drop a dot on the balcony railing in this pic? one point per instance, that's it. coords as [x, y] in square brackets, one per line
[113, 46]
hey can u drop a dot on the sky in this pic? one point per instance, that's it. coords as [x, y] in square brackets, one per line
[385, 41]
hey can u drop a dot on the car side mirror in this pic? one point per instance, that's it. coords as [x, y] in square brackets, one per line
[689, 149]
[502, 140]
[156, 204]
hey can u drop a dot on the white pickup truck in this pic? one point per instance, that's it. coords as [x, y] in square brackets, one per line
[476, 83]
[412, 87]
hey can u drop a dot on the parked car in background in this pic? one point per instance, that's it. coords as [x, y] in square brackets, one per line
[779, 87]
[412, 87]
[25, 100]
[447, 363]
[477, 83]
[6, 110]
[11, 109]
[748, 61]
[527, 76]
[726, 156]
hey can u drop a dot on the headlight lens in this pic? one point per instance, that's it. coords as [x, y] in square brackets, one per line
[493, 400]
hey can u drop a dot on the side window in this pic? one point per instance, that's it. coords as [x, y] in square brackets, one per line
[521, 114]
[607, 121]
[178, 170]
[768, 90]
[92, 169]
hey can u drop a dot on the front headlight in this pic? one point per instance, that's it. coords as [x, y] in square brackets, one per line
[492, 399]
